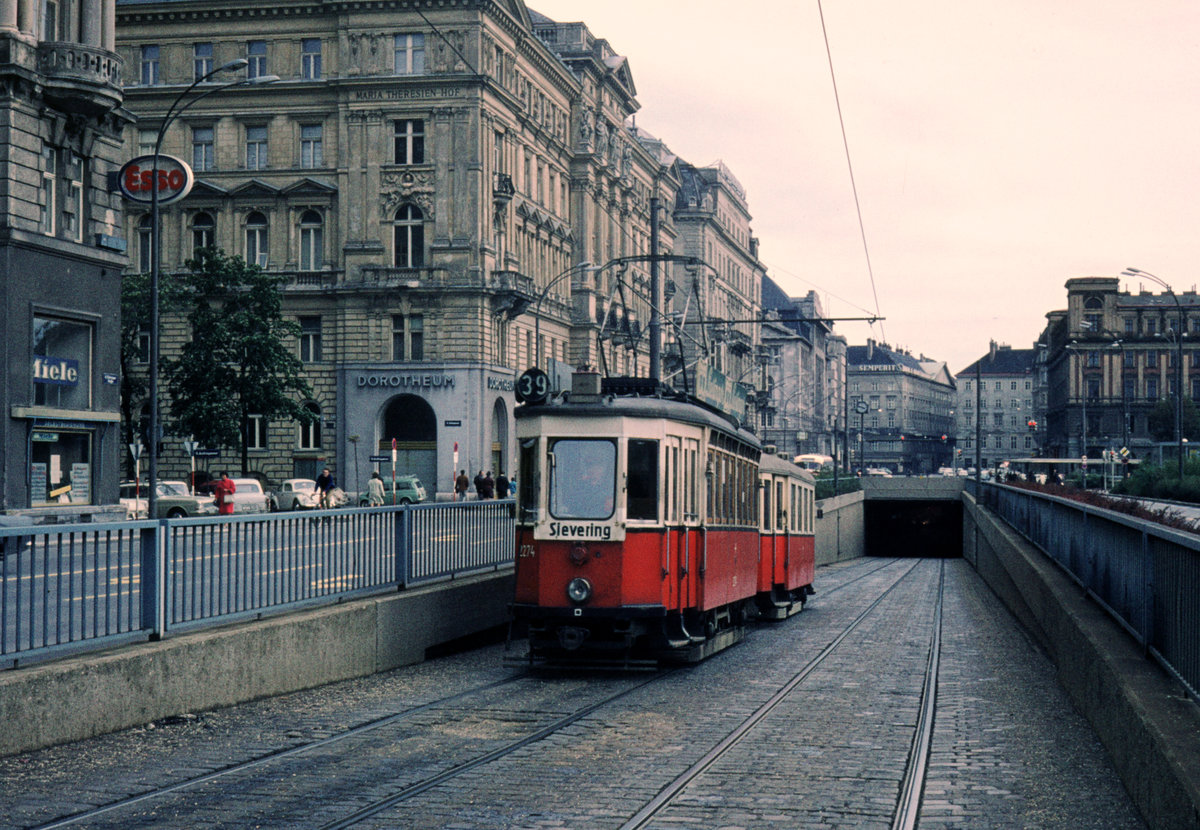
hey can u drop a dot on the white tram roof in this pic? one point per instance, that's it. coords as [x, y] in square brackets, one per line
[616, 406]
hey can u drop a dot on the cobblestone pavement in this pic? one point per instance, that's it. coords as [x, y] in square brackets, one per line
[1008, 750]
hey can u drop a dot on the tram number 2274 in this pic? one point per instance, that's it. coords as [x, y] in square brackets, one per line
[526, 552]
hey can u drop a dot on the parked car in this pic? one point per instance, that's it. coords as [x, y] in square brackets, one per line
[172, 501]
[879, 471]
[249, 496]
[409, 490]
[295, 494]
[133, 499]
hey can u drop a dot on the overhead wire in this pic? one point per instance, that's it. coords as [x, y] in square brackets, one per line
[822, 289]
[846, 145]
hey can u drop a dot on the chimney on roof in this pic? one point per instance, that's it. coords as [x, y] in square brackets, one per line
[870, 349]
[992, 347]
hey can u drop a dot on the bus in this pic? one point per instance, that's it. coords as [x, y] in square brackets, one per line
[813, 462]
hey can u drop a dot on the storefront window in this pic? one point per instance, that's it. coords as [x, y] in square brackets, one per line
[62, 363]
[61, 468]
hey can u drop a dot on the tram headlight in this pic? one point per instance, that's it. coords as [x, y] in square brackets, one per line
[579, 590]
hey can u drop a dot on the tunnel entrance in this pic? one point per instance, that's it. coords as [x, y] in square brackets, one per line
[913, 528]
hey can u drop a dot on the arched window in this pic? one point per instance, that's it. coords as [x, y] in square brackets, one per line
[145, 238]
[310, 434]
[408, 238]
[256, 239]
[203, 229]
[312, 241]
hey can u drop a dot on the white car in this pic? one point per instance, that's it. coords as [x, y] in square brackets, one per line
[249, 496]
[295, 494]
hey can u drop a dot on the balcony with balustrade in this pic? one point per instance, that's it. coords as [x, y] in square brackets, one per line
[80, 78]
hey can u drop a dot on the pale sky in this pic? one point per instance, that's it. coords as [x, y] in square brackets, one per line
[999, 148]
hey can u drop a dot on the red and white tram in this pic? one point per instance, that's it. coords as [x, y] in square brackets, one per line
[788, 561]
[643, 531]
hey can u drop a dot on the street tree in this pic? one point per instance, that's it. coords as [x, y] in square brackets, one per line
[237, 363]
[1161, 420]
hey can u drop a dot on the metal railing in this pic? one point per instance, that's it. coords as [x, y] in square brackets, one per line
[1146, 575]
[71, 588]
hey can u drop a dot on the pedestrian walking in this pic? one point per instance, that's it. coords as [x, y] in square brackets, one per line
[223, 492]
[375, 490]
[489, 486]
[478, 482]
[461, 485]
[502, 485]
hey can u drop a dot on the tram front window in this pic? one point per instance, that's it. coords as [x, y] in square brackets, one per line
[583, 478]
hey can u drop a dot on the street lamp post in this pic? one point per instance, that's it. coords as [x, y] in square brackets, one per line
[1075, 348]
[1137, 272]
[173, 112]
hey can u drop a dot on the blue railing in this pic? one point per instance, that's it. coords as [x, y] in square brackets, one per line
[68, 588]
[1146, 575]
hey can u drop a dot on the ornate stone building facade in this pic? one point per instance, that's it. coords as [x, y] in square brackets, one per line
[900, 409]
[61, 255]
[721, 302]
[1111, 358]
[454, 193]
[996, 405]
[806, 376]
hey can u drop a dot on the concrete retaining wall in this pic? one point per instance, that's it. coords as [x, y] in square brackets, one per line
[1151, 730]
[840, 528]
[95, 693]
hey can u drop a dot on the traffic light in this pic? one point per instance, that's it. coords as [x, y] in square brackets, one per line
[943, 438]
[1032, 425]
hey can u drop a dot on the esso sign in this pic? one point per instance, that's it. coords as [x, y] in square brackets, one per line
[136, 179]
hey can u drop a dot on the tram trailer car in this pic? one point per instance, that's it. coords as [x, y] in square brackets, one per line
[638, 531]
[787, 565]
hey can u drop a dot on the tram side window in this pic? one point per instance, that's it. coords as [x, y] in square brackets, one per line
[710, 485]
[583, 477]
[691, 482]
[766, 503]
[800, 510]
[641, 500]
[780, 506]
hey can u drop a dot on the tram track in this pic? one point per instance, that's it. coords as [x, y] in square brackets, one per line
[909, 807]
[500, 753]
[664, 798]
[262, 763]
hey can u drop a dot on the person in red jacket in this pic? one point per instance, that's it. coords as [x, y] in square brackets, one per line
[223, 492]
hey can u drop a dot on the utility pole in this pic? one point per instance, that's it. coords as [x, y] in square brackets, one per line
[655, 296]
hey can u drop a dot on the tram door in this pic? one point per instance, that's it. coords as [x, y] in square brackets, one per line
[672, 519]
[687, 536]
